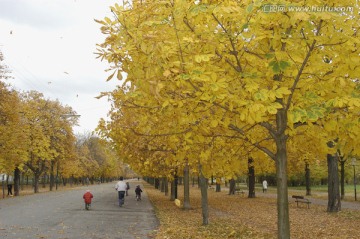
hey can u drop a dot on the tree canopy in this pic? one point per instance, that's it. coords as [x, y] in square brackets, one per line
[214, 82]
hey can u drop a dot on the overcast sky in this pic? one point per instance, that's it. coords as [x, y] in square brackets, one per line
[49, 46]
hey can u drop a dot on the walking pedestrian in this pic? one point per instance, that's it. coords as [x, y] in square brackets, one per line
[265, 186]
[87, 198]
[121, 189]
[138, 192]
[9, 187]
[127, 188]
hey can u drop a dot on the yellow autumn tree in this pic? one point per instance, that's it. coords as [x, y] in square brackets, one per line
[11, 143]
[45, 133]
[10, 140]
[258, 74]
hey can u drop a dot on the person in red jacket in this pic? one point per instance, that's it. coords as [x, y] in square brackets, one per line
[87, 198]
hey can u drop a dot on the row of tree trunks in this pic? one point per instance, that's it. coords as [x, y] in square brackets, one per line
[334, 203]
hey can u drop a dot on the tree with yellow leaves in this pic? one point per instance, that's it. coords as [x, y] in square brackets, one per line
[45, 134]
[11, 144]
[238, 68]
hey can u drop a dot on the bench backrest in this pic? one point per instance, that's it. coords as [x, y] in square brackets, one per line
[298, 197]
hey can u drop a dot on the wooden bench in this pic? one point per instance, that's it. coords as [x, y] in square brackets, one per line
[301, 199]
[238, 190]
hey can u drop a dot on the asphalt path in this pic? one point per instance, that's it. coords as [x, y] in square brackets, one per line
[62, 215]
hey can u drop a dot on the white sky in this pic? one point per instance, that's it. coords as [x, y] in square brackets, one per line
[49, 46]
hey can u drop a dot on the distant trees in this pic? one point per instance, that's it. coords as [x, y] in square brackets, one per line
[36, 137]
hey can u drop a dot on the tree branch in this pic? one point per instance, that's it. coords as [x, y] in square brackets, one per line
[160, 135]
[257, 144]
[297, 79]
[234, 51]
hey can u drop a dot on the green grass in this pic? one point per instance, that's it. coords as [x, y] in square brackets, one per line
[317, 191]
[324, 188]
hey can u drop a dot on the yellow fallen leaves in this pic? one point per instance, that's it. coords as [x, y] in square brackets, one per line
[231, 216]
[177, 202]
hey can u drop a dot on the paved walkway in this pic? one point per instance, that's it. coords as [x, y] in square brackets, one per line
[61, 215]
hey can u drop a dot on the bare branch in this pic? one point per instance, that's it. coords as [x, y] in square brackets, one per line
[160, 135]
[253, 53]
[269, 127]
[239, 68]
[297, 79]
[332, 44]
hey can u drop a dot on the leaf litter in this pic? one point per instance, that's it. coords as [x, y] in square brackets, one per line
[233, 216]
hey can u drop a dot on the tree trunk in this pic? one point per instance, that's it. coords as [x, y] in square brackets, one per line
[251, 178]
[36, 182]
[17, 181]
[3, 185]
[186, 187]
[166, 186]
[179, 181]
[281, 174]
[307, 179]
[163, 184]
[176, 186]
[204, 197]
[218, 186]
[334, 203]
[157, 183]
[57, 175]
[172, 189]
[232, 186]
[44, 179]
[22, 181]
[342, 178]
[64, 181]
[52, 177]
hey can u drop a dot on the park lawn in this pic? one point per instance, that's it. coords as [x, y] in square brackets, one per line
[321, 192]
[235, 216]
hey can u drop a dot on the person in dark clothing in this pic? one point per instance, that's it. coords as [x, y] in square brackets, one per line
[138, 192]
[127, 188]
[9, 187]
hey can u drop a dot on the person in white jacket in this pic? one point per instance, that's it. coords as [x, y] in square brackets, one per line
[265, 186]
[121, 188]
